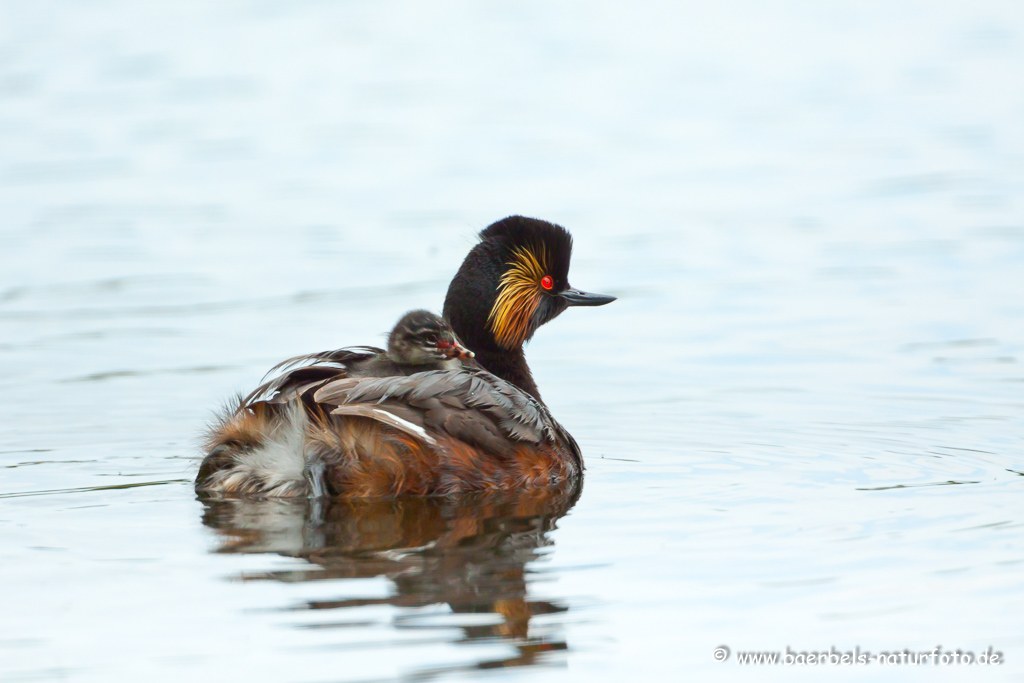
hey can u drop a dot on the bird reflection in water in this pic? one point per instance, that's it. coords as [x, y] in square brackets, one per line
[471, 554]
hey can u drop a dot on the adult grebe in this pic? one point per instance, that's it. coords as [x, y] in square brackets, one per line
[335, 426]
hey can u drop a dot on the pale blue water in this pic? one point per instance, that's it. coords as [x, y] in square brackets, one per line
[802, 420]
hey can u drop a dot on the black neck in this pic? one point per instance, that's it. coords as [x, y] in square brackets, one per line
[510, 366]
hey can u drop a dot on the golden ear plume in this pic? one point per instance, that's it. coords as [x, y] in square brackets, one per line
[519, 295]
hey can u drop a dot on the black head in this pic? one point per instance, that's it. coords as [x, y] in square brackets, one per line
[512, 282]
[421, 337]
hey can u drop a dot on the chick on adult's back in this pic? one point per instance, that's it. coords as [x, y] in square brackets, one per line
[334, 426]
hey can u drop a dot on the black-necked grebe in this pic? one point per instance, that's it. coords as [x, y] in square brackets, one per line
[425, 417]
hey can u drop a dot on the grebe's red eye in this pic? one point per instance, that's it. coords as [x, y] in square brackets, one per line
[547, 282]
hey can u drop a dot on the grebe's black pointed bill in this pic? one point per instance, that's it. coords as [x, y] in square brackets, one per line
[575, 297]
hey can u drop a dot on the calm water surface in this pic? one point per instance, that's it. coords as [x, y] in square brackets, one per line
[803, 420]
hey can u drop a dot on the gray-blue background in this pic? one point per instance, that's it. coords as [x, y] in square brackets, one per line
[811, 212]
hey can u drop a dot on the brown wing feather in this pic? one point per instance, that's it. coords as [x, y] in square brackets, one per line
[341, 357]
[389, 417]
[315, 367]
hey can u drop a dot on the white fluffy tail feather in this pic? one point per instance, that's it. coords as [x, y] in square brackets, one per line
[278, 466]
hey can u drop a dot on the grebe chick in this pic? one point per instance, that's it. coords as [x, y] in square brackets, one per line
[423, 341]
[419, 342]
